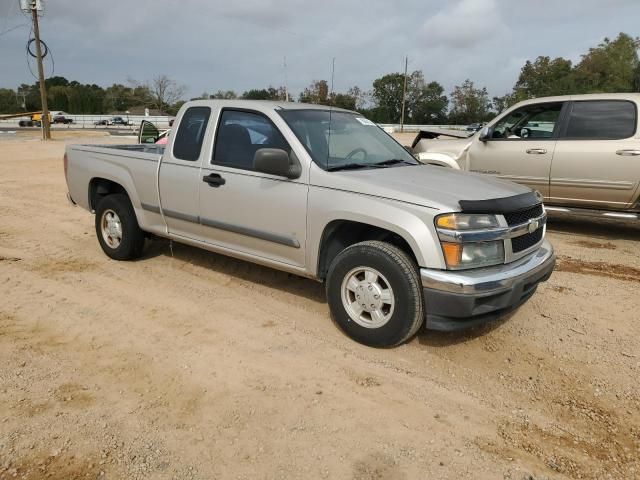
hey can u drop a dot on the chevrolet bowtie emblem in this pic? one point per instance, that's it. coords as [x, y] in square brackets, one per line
[533, 225]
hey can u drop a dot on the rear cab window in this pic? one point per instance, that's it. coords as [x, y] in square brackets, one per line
[190, 135]
[601, 120]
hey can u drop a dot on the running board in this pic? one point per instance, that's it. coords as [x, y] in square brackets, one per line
[583, 212]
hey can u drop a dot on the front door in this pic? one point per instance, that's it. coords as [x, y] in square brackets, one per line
[246, 211]
[520, 146]
[597, 158]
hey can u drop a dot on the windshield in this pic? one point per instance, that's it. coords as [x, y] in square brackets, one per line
[341, 140]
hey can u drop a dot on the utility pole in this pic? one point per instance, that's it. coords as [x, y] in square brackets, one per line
[404, 93]
[46, 129]
[286, 83]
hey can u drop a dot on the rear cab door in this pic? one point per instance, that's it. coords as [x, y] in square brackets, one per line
[179, 177]
[520, 146]
[597, 159]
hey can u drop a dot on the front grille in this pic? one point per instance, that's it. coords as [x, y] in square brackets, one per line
[523, 216]
[528, 240]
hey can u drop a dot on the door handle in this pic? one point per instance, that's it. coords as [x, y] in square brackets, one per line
[214, 180]
[536, 151]
[628, 153]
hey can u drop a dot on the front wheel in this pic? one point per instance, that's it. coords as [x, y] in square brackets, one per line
[374, 294]
[117, 228]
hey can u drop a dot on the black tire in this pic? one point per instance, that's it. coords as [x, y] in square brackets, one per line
[132, 238]
[399, 271]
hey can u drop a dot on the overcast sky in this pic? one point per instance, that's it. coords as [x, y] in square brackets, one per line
[240, 44]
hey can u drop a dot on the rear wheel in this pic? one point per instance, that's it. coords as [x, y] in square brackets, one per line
[374, 294]
[117, 228]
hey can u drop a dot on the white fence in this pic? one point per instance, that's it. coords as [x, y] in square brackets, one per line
[162, 122]
[89, 121]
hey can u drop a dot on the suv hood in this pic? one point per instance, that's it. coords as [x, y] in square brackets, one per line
[453, 147]
[425, 185]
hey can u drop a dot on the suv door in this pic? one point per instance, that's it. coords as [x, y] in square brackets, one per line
[596, 162]
[520, 146]
[247, 211]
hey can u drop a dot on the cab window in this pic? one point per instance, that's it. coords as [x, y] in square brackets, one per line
[241, 134]
[601, 120]
[190, 135]
[530, 122]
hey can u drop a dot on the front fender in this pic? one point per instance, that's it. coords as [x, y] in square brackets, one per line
[439, 159]
[413, 223]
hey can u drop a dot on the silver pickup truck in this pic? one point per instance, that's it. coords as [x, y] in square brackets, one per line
[326, 194]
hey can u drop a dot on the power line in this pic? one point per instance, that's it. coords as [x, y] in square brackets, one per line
[4, 32]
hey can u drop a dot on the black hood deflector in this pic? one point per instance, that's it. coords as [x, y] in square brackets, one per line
[502, 205]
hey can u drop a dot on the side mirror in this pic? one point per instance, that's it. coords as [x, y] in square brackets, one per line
[485, 134]
[276, 161]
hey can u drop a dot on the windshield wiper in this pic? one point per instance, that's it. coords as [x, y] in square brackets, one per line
[349, 166]
[393, 161]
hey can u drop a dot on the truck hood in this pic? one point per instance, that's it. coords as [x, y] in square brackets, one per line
[429, 186]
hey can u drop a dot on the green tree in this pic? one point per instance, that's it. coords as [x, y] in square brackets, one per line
[544, 77]
[223, 94]
[500, 104]
[387, 97]
[58, 98]
[317, 92]
[426, 102]
[342, 100]
[9, 101]
[469, 104]
[118, 98]
[270, 93]
[612, 66]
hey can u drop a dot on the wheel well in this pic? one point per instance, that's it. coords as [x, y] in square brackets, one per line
[341, 234]
[100, 188]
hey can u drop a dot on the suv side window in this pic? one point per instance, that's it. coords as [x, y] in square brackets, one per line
[240, 134]
[188, 141]
[530, 122]
[601, 120]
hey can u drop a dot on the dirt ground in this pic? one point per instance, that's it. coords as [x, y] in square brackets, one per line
[187, 364]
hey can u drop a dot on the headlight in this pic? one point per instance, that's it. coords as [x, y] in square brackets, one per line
[472, 253]
[466, 221]
[459, 256]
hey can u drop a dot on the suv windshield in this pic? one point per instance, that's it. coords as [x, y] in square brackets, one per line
[340, 140]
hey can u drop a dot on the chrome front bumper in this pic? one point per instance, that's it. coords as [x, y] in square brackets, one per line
[460, 299]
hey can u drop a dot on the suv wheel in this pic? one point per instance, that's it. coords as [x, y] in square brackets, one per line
[117, 228]
[374, 294]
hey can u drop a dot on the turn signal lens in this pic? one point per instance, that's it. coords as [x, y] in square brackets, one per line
[452, 253]
[472, 255]
[466, 221]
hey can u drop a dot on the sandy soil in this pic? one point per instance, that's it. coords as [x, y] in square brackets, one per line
[187, 364]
